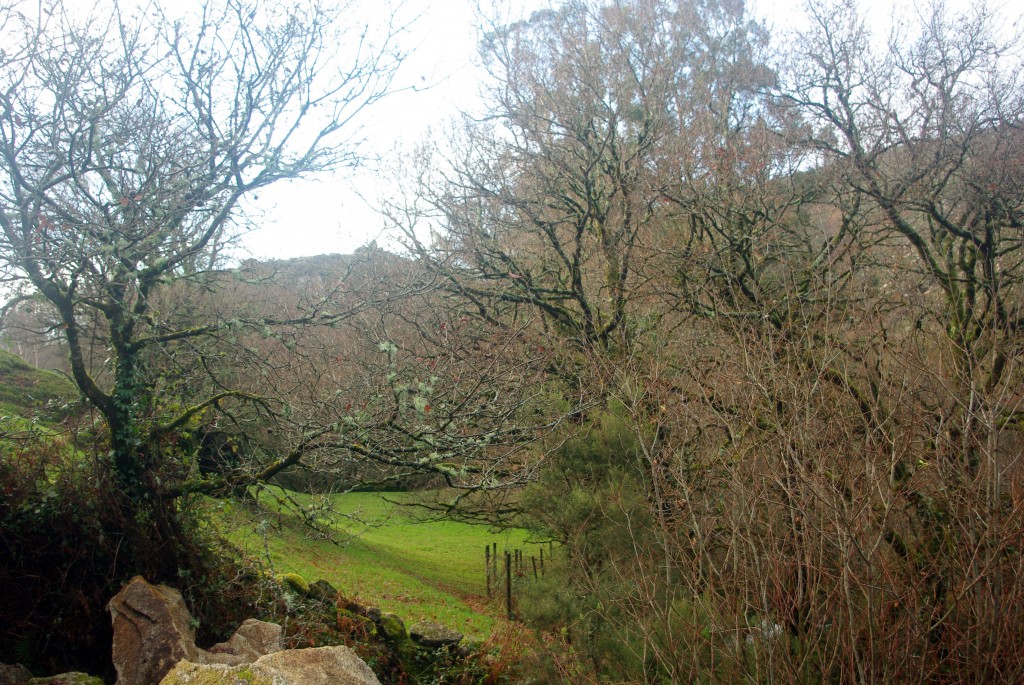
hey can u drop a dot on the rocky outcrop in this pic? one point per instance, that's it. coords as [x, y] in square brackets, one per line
[153, 631]
[318, 666]
[154, 642]
[434, 635]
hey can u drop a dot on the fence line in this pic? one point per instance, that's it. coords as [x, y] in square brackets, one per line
[515, 564]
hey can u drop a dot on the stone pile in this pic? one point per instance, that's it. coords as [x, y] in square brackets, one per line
[154, 643]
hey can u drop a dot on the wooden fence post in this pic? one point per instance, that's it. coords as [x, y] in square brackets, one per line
[487, 568]
[534, 560]
[508, 583]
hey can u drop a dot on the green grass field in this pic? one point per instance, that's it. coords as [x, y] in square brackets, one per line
[419, 570]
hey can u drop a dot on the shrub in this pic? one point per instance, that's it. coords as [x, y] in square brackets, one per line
[61, 544]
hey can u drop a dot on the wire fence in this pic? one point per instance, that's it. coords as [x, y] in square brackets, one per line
[516, 566]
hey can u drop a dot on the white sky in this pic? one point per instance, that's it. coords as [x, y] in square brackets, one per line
[328, 215]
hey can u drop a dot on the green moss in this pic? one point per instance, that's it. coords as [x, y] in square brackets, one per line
[392, 626]
[294, 582]
[247, 675]
[196, 674]
[73, 678]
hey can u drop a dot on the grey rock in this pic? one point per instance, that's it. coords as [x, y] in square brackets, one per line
[433, 635]
[319, 666]
[14, 674]
[252, 640]
[152, 632]
[213, 674]
[324, 591]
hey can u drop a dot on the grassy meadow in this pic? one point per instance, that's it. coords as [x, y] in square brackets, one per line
[382, 556]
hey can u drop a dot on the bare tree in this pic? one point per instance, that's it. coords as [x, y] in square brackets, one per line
[129, 144]
[551, 204]
[928, 136]
[406, 390]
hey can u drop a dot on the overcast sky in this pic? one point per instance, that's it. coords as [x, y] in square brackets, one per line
[327, 215]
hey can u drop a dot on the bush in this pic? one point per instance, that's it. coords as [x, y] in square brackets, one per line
[61, 540]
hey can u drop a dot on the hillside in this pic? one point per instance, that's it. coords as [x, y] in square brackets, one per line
[27, 391]
[385, 556]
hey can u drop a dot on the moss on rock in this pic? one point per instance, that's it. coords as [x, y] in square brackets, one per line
[324, 591]
[188, 673]
[72, 678]
[392, 627]
[433, 635]
[294, 582]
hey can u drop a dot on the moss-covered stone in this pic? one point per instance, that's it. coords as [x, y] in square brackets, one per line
[324, 591]
[188, 673]
[433, 635]
[294, 582]
[72, 678]
[247, 675]
[392, 627]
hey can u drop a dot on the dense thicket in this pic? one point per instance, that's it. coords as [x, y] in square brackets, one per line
[788, 282]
